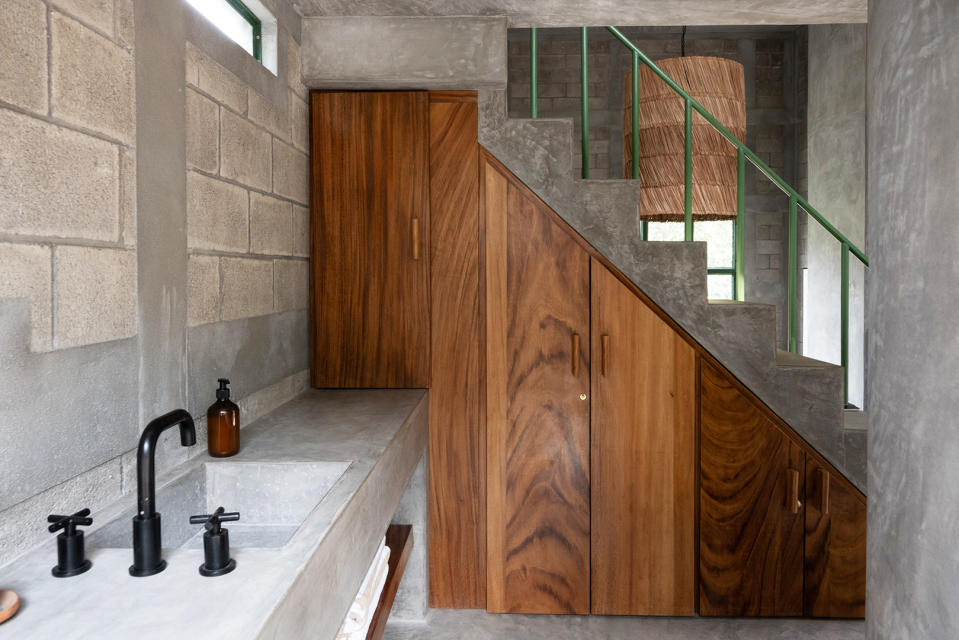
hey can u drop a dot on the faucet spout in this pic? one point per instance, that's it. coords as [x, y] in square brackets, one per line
[147, 558]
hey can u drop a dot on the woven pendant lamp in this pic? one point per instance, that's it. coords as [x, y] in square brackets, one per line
[719, 85]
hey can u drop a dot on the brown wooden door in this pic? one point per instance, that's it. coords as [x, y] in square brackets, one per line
[835, 545]
[751, 514]
[537, 407]
[643, 452]
[370, 224]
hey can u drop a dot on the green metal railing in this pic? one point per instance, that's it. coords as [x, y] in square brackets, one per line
[744, 153]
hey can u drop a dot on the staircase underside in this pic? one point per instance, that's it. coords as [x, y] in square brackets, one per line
[806, 393]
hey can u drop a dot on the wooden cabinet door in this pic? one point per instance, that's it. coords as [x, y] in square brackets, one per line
[537, 407]
[835, 545]
[369, 297]
[643, 452]
[751, 515]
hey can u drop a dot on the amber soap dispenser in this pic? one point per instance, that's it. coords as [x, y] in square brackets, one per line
[223, 423]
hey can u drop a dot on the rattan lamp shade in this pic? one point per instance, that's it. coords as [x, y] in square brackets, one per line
[716, 83]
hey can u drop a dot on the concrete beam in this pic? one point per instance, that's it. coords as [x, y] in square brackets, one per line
[575, 13]
[404, 52]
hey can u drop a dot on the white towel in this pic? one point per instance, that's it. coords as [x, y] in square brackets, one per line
[360, 616]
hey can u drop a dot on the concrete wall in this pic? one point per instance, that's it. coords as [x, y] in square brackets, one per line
[153, 228]
[837, 186]
[775, 115]
[911, 308]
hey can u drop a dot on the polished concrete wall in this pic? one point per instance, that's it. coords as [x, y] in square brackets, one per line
[836, 136]
[913, 165]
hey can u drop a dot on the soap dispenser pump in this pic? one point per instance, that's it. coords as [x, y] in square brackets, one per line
[223, 423]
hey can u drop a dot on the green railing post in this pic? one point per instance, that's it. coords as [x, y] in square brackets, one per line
[635, 116]
[688, 188]
[844, 321]
[791, 319]
[740, 246]
[533, 98]
[584, 79]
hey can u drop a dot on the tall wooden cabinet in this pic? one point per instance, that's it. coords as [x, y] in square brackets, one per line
[369, 293]
[537, 410]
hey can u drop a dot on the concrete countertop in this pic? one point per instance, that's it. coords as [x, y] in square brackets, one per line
[300, 590]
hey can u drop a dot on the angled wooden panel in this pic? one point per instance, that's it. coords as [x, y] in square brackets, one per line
[457, 450]
[541, 504]
[643, 451]
[494, 202]
[751, 518]
[835, 546]
[370, 232]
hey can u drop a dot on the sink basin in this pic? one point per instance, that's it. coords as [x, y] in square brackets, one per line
[273, 498]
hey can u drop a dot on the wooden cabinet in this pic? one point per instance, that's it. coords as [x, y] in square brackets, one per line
[835, 555]
[369, 284]
[537, 407]
[643, 452]
[567, 472]
[781, 533]
[751, 517]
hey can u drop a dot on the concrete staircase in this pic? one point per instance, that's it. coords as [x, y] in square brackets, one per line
[806, 393]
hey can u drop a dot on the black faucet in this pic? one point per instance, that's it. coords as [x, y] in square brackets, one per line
[146, 524]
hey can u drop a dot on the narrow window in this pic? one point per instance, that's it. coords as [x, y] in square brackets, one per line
[247, 22]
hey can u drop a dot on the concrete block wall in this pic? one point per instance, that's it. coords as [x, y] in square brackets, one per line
[247, 196]
[153, 237]
[66, 175]
[775, 115]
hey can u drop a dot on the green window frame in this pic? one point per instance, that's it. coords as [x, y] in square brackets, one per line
[254, 21]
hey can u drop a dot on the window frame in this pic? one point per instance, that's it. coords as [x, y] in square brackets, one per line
[254, 22]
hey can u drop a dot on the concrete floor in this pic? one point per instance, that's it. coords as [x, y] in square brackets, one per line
[477, 625]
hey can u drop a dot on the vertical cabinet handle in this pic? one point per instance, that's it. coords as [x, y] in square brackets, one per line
[415, 237]
[604, 362]
[824, 498]
[794, 502]
[575, 363]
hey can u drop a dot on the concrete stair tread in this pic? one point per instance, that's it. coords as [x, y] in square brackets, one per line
[741, 305]
[789, 359]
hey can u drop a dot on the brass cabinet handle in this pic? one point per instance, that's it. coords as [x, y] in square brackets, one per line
[794, 502]
[415, 239]
[824, 498]
[575, 363]
[604, 365]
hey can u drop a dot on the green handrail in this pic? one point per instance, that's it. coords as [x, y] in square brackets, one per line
[736, 142]
[744, 153]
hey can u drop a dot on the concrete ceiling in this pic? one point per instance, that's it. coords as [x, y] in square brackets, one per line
[559, 13]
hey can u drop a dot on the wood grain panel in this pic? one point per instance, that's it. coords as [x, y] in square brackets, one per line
[643, 451]
[494, 201]
[457, 450]
[541, 502]
[835, 584]
[751, 536]
[369, 296]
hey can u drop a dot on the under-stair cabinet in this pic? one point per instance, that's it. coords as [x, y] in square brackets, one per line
[586, 455]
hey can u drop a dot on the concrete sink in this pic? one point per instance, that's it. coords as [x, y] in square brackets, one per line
[273, 498]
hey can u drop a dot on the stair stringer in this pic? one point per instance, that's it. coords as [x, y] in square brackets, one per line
[741, 336]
